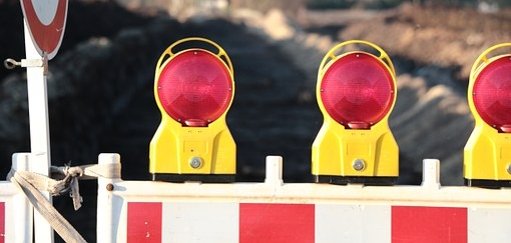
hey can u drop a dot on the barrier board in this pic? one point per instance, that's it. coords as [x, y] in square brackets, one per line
[16, 214]
[145, 211]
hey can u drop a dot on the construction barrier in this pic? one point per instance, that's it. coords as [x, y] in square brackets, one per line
[16, 214]
[273, 211]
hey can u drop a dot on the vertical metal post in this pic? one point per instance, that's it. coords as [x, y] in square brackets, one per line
[274, 170]
[39, 130]
[431, 173]
[108, 209]
[23, 210]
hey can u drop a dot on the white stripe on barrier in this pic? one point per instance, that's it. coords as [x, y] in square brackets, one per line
[355, 223]
[197, 222]
[489, 225]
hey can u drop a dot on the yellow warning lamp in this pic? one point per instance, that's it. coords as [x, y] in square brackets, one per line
[194, 89]
[356, 92]
[487, 154]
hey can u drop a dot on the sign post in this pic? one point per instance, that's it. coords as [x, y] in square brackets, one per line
[39, 132]
[44, 28]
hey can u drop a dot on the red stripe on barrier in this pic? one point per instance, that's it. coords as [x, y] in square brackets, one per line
[429, 224]
[272, 223]
[144, 222]
[2, 222]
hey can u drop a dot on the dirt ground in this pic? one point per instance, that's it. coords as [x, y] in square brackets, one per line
[440, 36]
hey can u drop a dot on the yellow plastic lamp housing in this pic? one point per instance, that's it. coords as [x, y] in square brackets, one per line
[487, 154]
[356, 92]
[194, 89]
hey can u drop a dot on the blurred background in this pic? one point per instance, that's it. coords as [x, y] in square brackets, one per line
[100, 83]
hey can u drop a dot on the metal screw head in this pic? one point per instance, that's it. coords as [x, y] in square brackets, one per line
[196, 162]
[109, 187]
[509, 168]
[359, 164]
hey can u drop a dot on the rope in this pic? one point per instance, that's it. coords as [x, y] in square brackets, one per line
[41, 204]
[31, 184]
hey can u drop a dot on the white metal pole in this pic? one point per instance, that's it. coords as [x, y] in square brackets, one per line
[274, 170]
[23, 210]
[431, 173]
[39, 131]
[109, 206]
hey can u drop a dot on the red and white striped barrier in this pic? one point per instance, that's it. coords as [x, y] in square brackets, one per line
[16, 220]
[11, 228]
[276, 222]
[273, 211]
[2, 221]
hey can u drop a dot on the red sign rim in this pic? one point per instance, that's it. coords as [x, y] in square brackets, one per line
[47, 38]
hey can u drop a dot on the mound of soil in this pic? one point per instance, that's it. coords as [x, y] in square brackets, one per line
[444, 37]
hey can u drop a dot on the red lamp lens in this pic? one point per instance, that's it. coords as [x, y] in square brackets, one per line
[195, 88]
[357, 90]
[492, 94]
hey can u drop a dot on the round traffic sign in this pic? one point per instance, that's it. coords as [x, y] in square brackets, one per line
[46, 21]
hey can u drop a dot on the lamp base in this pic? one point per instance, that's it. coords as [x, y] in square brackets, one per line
[207, 178]
[492, 184]
[366, 180]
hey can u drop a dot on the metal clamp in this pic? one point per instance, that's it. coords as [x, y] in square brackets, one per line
[10, 63]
